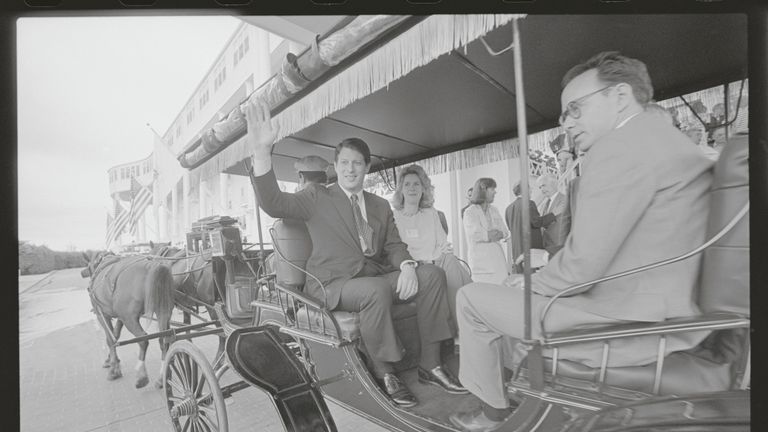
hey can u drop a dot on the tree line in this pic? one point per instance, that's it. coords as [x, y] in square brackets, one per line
[34, 259]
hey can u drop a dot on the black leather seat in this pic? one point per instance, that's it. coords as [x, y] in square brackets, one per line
[723, 291]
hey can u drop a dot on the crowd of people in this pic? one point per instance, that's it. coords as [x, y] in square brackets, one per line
[642, 195]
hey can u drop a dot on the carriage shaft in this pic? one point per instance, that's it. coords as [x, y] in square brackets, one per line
[174, 332]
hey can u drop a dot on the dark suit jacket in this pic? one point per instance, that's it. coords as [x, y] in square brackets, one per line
[336, 252]
[555, 232]
[514, 218]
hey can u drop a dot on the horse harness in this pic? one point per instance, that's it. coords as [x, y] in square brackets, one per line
[109, 271]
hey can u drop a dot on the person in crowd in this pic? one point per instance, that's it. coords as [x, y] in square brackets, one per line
[420, 228]
[469, 202]
[695, 133]
[311, 169]
[359, 258]
[675, 117]
[485, 229]
[565, 158]
[718, 115]
[514, 218]
[556, 202]
[719, 139]
[646, 191]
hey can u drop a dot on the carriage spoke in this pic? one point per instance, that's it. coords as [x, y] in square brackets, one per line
[209, 424]
[206, 409]
[185, 364]
[204, 399]
[187, 424]
[178, 387]
[175, 367]
[199, 387]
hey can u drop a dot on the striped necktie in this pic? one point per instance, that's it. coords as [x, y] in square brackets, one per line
[364, 231]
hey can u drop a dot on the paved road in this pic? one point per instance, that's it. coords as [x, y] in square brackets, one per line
[64, 388]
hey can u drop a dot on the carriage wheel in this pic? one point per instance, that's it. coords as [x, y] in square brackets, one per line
[194, 397]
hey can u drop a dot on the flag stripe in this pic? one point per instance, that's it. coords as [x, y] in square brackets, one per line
[140, 204]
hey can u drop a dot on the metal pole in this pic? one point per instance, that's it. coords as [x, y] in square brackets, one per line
[249, 168]
[522, 134]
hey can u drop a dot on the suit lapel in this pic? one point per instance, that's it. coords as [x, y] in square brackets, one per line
[344, 208]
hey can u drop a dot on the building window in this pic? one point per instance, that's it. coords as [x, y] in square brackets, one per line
[220, 78]
[190, 115]
[203, 99]
[178, 131]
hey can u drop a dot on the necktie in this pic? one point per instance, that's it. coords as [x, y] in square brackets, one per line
[546, 206]
[364, 231]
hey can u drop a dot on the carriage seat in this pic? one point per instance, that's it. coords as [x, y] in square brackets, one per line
[723, 294]
[292, 240]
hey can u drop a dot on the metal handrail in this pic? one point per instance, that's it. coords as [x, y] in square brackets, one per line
[687, 255]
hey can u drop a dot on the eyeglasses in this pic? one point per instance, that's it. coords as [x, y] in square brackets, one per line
[573, 109]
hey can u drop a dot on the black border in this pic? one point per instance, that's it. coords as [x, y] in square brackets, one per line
[10, 10]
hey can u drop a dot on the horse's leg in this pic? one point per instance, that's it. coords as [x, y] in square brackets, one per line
[163, 324]
[134, 327]
[108, 361]
[113, 361]
[118, 330]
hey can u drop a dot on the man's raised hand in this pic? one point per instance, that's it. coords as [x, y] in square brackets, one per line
[262, 133]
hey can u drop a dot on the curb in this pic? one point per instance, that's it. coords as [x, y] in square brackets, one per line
[41, 280]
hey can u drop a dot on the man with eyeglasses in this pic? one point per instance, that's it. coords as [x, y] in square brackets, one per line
[643, 197]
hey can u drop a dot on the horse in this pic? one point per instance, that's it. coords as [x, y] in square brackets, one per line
[193, 281]
[127, 288]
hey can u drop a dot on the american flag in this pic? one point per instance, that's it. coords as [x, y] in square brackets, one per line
[141, 197]
[119, 220]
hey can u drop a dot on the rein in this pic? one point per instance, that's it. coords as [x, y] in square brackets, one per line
[193, 270]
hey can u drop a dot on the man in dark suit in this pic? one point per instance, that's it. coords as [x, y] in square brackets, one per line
[556, 202]
[643, 198]
[358, 256]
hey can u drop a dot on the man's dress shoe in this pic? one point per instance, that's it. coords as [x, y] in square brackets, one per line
[474, 421]
[441, 378]
[397, 391]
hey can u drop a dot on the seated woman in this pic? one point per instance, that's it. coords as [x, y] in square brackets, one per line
[421, 229]
[485, 228]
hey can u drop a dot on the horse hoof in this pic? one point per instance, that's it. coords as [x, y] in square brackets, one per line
[106, 364]
[159, 384]
[141, 382]
[114, 375]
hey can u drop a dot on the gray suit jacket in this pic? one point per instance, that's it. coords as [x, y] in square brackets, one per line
[336, 252]
[643, 197]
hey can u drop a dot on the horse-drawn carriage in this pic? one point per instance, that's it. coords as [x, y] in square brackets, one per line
[287, 343]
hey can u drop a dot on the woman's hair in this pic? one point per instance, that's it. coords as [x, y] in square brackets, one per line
[478, 190]
[427, 196]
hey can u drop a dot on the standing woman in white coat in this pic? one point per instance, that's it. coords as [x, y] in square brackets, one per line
[485, 229]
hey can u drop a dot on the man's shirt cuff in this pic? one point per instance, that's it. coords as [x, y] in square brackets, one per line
[405, 262]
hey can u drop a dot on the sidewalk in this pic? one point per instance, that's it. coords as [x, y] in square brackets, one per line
[64, 388]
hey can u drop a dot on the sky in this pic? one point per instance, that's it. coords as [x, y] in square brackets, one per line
[87, 87]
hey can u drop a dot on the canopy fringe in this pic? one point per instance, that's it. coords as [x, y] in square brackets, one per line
[417, 46]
